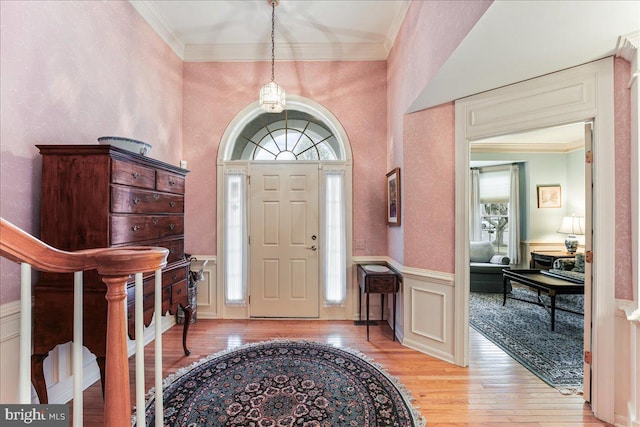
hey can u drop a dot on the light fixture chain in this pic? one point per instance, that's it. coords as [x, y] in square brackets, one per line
[273, 43]
[272, 97]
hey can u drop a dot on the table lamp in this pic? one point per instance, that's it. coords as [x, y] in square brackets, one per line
[572, 226]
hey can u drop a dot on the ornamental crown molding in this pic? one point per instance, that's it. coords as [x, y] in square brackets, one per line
[628, 49]
[628, 46]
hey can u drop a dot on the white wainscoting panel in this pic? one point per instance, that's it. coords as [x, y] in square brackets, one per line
[627, 357]
[430, 324]
[623, 358]
[209, 296]
[9, 351]
[429, 313]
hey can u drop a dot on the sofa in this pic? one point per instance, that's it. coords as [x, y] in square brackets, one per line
[486, 268]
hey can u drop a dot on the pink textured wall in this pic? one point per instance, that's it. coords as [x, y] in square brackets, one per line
[430, 33]
[71, 72]
[429, 176]
[355, 92]
[622, 108]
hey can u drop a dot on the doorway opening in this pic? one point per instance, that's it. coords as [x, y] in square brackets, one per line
[525, 230]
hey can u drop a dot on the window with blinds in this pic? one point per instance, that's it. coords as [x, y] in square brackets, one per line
[495, 187]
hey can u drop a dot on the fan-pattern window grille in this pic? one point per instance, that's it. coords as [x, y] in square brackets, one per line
[292, 136]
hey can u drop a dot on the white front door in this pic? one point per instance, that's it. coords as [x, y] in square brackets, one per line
[284, 240]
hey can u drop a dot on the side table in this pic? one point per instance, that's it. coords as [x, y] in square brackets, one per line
[545, 259]
[377, 279]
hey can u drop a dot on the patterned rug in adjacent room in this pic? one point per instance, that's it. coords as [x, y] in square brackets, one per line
[522, 330]
[285, 384]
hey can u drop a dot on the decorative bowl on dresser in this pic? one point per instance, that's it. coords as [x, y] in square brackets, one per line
[103, 196]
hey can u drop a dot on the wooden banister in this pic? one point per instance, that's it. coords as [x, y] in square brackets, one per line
[19, 246]
[115, 265]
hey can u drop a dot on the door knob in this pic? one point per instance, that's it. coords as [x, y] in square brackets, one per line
[313, 248]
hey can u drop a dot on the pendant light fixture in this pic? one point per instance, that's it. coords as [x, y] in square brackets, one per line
[272, 97]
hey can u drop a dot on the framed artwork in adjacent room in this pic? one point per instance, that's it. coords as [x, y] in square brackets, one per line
[549, 196]
[393, 197]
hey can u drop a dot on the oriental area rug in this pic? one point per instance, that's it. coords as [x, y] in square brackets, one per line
[285, 384]
[522, 330]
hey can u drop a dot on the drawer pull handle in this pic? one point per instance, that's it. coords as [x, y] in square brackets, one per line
[174, 276]
[155, 221]
[135, 228]
[136, 201]
[171, 226]
[156, 196]
[135, 175]
[172, 250]
[172, 182]
[179, 291]
[172, 203]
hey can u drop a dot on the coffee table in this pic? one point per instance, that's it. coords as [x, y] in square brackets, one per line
[534, 279]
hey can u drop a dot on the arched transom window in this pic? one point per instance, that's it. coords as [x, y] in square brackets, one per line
[290, 135]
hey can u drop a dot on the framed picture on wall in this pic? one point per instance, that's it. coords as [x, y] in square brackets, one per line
[393, 197]
[549, 196]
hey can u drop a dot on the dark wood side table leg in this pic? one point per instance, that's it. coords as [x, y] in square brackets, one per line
[553, 311]
[187, 321]
[359, 303]
[504, 290]
[102, 363]
[37, 377]
[394, 316]
[381, 306]
[367, 316]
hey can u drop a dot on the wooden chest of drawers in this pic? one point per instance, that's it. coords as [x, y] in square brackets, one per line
[100, 196]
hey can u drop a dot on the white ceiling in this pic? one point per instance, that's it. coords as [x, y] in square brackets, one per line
[240, 30]
[558, 139]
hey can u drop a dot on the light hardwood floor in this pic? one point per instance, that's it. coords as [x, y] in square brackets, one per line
[493, 390]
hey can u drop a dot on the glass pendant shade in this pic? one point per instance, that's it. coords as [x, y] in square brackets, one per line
[272, 98]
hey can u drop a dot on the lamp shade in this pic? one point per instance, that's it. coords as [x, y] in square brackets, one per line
[572, 225]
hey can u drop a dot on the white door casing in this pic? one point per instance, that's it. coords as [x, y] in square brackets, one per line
[224, 162]
[284, 236]
[578, 94]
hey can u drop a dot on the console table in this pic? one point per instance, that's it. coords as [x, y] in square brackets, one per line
[534, 279]
[545, 259]
[377, 279]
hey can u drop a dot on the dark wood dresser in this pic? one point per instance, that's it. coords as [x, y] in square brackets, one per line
[97, 196]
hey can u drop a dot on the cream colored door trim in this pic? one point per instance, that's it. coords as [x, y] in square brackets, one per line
[578, 94]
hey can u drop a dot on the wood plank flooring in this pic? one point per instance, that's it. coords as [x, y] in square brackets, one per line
[494, 390]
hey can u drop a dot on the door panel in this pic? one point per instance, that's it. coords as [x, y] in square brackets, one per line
[588, 246]
[284, 258]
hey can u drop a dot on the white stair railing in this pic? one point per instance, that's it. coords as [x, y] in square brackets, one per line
[115, 265]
